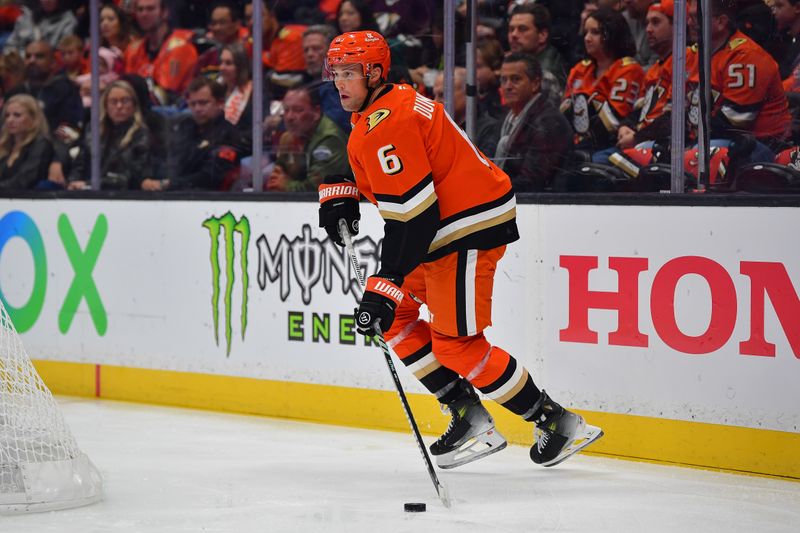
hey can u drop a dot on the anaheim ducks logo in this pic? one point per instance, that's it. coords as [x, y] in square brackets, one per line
[794, 158]
[373, 119]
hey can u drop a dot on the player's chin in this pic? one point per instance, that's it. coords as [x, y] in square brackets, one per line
[348, 104]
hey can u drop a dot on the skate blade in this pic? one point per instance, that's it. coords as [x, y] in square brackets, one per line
[591, 434]
[475, 448]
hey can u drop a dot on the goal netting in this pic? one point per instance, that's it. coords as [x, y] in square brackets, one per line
[41, 467]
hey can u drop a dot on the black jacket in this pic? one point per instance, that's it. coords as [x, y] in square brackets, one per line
[29, 168]
[120, 167]
[487, 133]
[61, 99]
[202, 157]
[539, 149]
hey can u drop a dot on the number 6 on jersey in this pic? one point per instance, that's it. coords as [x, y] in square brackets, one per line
[390, 163]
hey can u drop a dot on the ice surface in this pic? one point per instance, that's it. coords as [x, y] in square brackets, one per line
[174, 470]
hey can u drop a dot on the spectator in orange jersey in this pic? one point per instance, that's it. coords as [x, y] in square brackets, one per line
[282, 53]
[651, 119]
[746, 88]
[653, 107]
[165, 58]
[601, 90]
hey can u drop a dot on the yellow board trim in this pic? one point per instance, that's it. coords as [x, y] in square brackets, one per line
[713, 446]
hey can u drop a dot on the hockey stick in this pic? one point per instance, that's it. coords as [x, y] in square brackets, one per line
[441, 491]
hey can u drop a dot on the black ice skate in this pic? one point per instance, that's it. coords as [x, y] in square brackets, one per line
[471, 433]
[559, 434]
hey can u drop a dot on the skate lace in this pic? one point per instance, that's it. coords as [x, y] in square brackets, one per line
[456, 416]
[541, 440]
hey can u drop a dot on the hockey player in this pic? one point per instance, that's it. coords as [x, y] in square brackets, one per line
[449, 213]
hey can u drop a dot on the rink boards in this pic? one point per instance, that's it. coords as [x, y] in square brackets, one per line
[675, 328]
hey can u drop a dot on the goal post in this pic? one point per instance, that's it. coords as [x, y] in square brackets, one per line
[41, 467]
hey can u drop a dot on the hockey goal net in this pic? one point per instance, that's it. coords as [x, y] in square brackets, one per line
[41, 467]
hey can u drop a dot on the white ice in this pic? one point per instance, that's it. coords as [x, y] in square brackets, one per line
[174, 470]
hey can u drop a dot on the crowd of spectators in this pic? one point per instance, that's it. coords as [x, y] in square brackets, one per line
[571, 94]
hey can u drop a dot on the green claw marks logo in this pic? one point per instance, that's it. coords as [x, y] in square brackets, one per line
[228, 226]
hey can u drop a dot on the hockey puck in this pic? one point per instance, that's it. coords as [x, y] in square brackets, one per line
[414, 507]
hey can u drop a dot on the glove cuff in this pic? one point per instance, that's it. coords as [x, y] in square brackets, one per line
[385, 288]
[336, 191]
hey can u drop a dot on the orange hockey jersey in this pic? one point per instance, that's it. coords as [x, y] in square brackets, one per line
[747, 91]
[596, 106]
[653, 108]
[285, 52]
[174, 65]
[436, 192]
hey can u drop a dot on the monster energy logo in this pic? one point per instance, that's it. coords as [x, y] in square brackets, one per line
[228, 226]
[297, 263]
[306, 262]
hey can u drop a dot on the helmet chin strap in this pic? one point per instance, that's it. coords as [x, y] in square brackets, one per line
[370, 92]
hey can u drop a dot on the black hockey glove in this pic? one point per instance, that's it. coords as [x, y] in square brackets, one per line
[380, 300]
[338, 199]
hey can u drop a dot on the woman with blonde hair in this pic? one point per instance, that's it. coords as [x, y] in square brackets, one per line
[25, 148]
[125, 143]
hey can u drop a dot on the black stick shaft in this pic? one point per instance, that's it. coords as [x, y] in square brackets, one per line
[440, 490]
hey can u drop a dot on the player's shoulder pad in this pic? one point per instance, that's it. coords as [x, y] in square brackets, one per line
[733, 44]
[178, 38]
[628, 61]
